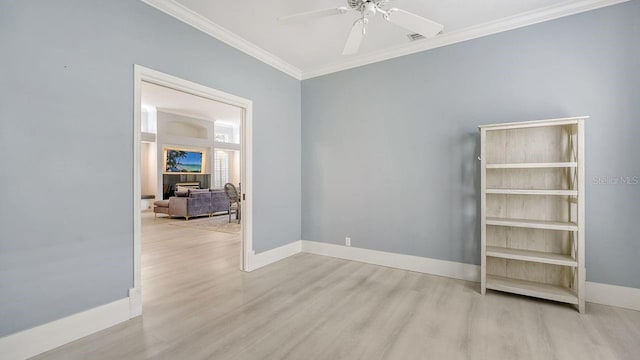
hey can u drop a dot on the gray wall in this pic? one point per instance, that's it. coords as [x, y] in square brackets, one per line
[66, 105]
[66, 119]
[389, 149]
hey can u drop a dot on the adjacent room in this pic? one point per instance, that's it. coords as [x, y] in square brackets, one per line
[190, 213]
[321, 179]
[189, 143]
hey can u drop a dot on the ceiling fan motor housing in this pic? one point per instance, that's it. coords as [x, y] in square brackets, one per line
[368, 8]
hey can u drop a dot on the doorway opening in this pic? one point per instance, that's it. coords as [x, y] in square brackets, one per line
[192, 173]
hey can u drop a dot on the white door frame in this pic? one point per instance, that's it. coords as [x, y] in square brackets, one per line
[141, 74]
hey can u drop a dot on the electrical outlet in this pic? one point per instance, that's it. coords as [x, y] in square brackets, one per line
[347, 241]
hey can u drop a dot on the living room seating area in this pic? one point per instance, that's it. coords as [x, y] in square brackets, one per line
[192, 203]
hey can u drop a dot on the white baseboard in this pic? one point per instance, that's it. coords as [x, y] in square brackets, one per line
[257, 261]
[34, 341]
[424, 265]
[612, 295]
[135, 302]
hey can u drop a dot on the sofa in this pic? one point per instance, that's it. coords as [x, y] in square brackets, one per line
[187, 204]
[219, 201]
[193, 203]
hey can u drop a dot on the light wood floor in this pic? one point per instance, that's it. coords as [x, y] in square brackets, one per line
[198, 305]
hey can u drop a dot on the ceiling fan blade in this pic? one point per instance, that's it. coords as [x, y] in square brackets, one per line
[313, 14]
[415, 23]
[355, 38]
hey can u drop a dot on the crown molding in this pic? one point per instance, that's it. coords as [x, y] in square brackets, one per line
[184, 14]
[205, 25]
[473, 32]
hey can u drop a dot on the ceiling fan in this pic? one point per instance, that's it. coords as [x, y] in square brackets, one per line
[368, 9]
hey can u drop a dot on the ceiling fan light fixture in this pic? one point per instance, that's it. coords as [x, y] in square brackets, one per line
[369, 9]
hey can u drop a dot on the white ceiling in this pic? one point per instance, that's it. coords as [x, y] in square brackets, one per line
[178, 102]
[314, 47]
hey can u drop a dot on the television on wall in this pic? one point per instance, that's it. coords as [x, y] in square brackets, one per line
[183, 161]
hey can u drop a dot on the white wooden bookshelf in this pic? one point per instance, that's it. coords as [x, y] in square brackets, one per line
[532, 209]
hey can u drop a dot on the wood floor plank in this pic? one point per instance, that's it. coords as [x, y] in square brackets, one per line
[199, 305]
